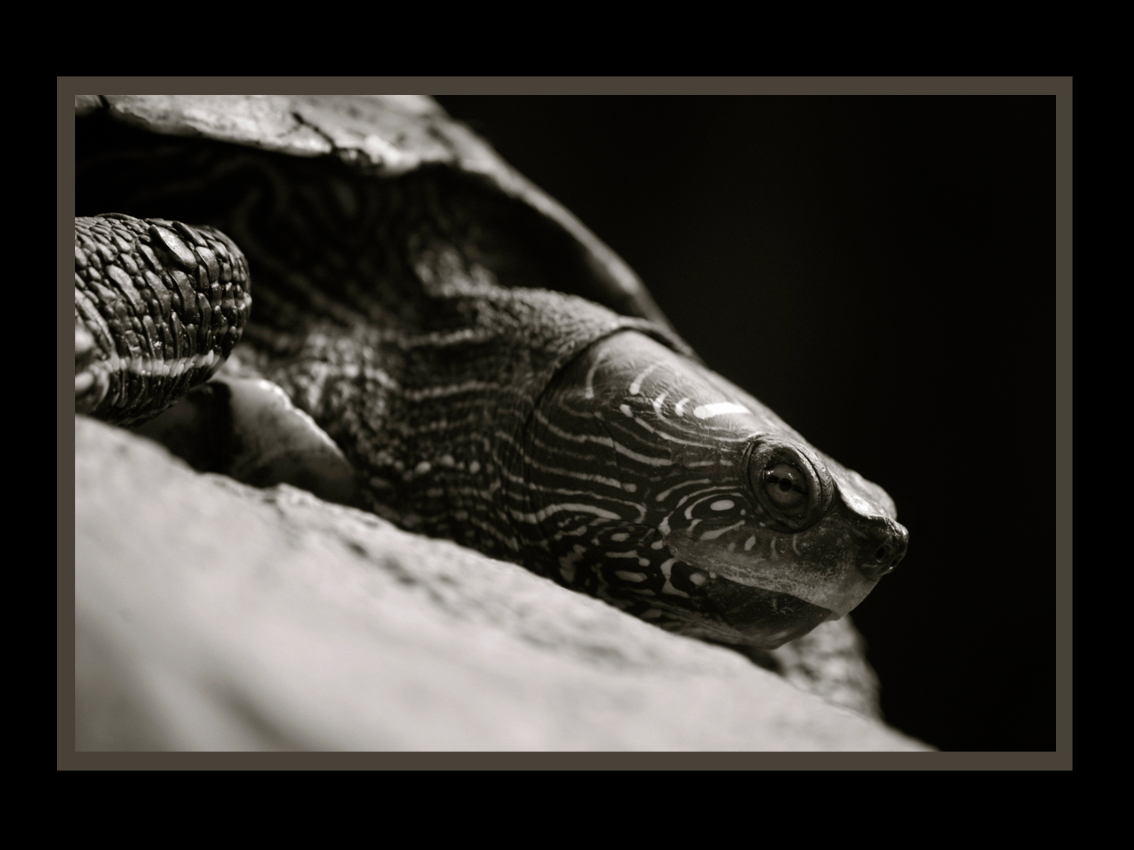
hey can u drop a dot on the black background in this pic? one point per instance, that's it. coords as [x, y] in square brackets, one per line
[879, 271]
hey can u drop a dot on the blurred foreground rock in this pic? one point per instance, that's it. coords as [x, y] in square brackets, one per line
[214, 616]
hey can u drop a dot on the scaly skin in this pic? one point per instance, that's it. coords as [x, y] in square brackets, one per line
[158, 307]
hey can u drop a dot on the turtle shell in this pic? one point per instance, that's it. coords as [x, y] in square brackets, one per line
[385, 136]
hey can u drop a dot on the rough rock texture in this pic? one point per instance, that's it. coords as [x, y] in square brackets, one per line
[214, 616]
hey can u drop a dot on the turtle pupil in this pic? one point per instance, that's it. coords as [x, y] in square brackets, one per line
[787, 488]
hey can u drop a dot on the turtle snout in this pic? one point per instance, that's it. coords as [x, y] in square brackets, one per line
[881, 548]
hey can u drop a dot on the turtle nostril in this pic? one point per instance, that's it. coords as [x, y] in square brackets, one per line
[881, 551]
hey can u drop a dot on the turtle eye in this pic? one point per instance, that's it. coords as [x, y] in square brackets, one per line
[787, 487]
[790, 483]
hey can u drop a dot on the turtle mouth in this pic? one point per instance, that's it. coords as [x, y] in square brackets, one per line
[821, 576]
[764, 618]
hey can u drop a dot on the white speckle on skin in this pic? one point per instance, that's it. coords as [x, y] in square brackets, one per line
[474, 467]
[625, 408]
[627, 576]
[714, 534]
[422, 468]
[749, 543]
[723, 505]
[720, 408]
[620, 536]
[636, 384]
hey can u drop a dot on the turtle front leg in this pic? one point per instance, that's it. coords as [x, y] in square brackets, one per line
[159, 306]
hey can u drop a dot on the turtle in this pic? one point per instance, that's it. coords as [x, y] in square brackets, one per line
[475, 363]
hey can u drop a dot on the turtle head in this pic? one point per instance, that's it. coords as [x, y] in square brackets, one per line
[666, 490]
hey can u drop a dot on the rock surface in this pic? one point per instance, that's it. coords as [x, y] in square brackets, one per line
[215, 616]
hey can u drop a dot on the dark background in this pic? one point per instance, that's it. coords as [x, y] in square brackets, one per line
[873, 269]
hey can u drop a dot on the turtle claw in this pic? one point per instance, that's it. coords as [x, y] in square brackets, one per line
[248, 429]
